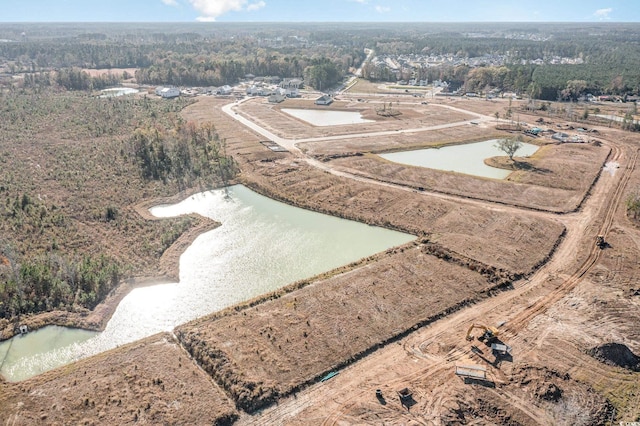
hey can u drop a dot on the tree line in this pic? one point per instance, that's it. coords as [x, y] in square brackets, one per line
[188, 154]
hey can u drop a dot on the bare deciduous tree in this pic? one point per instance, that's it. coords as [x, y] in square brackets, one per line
[509, 146]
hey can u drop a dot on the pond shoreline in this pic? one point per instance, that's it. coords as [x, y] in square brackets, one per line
[97, 319]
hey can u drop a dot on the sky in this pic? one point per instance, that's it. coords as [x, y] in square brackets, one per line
[319, 11]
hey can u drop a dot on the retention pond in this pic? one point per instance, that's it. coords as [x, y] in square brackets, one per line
[321, 118]
[262, 245]
[467, 158]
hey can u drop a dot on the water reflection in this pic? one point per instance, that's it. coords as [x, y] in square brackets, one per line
[261, 246]
[321, 118]
[468, 158]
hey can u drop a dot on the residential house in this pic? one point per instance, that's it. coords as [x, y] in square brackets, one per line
[291, 87]
[168, 92]
[276, 98]
[225, 90]
[253, 90]
[324, 100]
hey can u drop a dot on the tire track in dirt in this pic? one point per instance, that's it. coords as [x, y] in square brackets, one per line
[443, 329]
[437, 365]
[541, 305]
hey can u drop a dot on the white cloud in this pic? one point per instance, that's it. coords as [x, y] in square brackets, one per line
[360, 1]
[256, 6]
[383, 9]
[211, 9]
[170, 2]
[603, 13]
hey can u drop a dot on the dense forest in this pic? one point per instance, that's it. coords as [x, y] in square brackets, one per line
[71, 166]
[200, 58]
[608, 55]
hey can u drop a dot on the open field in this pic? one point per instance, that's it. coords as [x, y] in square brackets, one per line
[113, 71]
[398, 319]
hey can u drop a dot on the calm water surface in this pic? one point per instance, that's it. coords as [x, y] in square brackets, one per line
[468, 158]
[118, 91]
[320, 118]
[261, 246]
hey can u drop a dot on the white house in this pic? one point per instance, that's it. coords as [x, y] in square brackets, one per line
[324, 100]
[290, 92]
[291, 87]
[168, 92]
[253, 90]
[224, 90]
[276, 98]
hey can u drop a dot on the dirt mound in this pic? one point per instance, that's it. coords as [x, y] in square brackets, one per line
[616, 354]
[549, 392]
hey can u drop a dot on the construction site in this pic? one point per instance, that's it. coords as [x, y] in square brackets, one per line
[518, 302]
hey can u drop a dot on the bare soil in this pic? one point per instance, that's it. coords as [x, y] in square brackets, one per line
[398, 320]
[275, 348]
[152, 381]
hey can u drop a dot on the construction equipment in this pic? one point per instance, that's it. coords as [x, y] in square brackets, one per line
[500, 349]
[600, 242]
[490, 333]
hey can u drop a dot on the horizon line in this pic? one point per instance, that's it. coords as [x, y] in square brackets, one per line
[319, 22]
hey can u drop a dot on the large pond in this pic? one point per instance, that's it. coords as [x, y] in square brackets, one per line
[261, 246]
[319, 117]
[468, 158]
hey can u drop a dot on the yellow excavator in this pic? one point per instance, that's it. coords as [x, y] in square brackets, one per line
[490, 333]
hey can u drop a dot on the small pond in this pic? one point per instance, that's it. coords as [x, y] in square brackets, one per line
[468, 158]
[261, 246]
[118, 91]
[319, 117]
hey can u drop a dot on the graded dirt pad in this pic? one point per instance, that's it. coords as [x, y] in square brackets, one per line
[458, 133]
[242, 143]
[152, 381]
[275, 348]
[284, 125]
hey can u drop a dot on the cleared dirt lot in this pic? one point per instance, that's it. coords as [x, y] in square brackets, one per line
[550, 379]
[542, 182]
[282, 124]
[398, 320]
[151, 381]
[277, 347]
